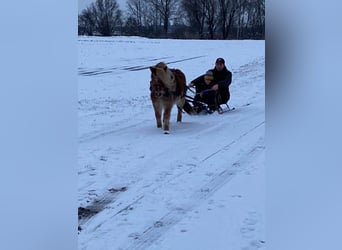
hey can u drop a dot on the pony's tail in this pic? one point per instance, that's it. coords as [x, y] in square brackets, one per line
[188, 108]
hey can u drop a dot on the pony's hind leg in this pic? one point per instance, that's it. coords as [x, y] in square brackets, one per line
[179, 114]
[180, 104]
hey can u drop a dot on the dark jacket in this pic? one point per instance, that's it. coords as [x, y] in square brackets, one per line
[200, 84]
[223, 78]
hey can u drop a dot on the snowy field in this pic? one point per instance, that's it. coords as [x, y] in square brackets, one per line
[200, 187]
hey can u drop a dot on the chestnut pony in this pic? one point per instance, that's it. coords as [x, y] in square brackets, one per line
[168, 87]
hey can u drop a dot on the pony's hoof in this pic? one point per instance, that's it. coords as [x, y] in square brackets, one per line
[166, 132]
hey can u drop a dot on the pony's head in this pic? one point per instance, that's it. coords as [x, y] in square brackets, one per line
[163, 73]
[157, 87]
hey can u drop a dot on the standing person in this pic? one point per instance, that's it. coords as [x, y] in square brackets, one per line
[217, 91]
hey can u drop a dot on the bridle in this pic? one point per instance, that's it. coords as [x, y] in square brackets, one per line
[158, 88]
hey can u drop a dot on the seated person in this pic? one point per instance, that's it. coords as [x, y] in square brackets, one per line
[215, 91]
[204, 93]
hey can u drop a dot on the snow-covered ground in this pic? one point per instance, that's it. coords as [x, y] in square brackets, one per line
[200, 187]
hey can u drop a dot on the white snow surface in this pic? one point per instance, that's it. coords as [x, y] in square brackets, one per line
[200, 187]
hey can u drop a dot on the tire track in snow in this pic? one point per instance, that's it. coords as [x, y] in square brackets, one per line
[103, 132]
[234, 141]
[152, 233]
[141, 240]
[102, 71]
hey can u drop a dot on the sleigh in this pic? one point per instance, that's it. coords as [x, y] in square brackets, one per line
[203, 108]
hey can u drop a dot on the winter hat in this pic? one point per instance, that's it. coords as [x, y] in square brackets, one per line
[209, 75]
[220, 60]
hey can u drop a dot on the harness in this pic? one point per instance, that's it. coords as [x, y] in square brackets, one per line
[157, 88]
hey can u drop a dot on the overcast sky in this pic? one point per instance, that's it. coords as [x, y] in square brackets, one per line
[84, 3]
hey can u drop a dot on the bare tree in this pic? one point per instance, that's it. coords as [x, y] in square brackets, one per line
[241, 14]
[236, 19]
[165, 9]
[107, 16]
[260, 17]
[86, 22]
[211, 15]
[143, 17]
[250, 19]
[195, 11]
[227, 11]
[135, 9]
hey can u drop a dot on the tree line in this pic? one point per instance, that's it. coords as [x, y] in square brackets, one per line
[187, 19]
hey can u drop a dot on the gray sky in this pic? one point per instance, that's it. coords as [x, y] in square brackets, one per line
[84, 3]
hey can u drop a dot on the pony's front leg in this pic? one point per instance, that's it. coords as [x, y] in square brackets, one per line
[157, 114]
[158, 119]
[166, 119]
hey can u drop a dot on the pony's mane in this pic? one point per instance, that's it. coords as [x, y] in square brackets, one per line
[161, 65]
